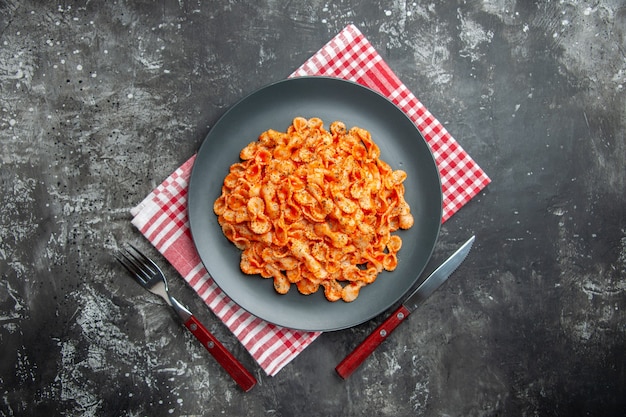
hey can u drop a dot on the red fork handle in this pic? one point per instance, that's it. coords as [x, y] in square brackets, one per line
[234, 368]
[355, 358]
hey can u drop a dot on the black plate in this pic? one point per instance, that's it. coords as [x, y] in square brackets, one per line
[274, 107]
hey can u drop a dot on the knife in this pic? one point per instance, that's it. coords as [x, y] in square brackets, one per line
[351, 362]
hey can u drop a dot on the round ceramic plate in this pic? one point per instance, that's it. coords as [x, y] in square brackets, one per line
[274, 107]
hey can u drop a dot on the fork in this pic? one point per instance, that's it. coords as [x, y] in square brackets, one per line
[150, 276]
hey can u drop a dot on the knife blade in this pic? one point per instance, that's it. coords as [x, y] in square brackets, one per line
[354, 359]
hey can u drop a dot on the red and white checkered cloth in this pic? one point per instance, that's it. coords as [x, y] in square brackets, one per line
[162, 215]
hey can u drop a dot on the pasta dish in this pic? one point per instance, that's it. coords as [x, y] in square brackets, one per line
[314, 208]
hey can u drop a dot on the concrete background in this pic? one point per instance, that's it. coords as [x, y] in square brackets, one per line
[100, 101]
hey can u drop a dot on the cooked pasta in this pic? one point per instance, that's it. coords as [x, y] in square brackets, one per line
[314, 207]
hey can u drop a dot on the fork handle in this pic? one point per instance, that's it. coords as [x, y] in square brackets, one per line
[236, 370]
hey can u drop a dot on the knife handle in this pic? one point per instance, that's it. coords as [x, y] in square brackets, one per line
[234, 368]
[355, 358]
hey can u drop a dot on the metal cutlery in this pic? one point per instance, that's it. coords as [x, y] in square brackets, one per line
[150, 276]
[351, 362]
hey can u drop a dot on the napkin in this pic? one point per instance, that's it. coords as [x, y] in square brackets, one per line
[162, 216]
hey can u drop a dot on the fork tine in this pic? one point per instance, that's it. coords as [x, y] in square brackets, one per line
[139, 264]
[147, 262]
[142, 270]
[120, 258]
[132, 264]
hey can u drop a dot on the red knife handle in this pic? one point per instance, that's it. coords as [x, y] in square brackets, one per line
[351, 362]
[234, 368]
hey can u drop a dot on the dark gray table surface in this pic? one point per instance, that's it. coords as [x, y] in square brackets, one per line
[100, 101]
